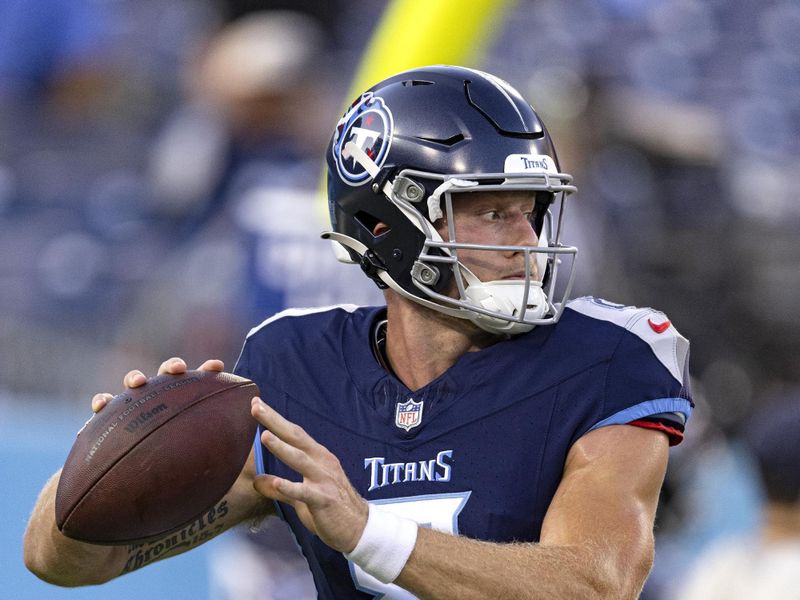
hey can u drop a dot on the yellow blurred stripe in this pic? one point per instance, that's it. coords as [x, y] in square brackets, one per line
[414, 33]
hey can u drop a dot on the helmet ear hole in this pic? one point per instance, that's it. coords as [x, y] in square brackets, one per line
[372, 224]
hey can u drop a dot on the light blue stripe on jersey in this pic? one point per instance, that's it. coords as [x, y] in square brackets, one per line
[259, 456]
[647, 409]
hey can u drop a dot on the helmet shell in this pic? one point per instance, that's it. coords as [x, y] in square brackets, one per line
[442, 120]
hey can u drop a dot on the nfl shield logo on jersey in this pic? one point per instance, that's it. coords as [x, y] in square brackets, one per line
[408, 414]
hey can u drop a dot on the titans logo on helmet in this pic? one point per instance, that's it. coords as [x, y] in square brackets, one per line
[367, 123]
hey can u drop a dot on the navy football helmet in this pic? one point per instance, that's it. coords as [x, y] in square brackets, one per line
[404, 152]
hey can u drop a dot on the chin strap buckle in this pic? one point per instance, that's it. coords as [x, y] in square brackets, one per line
[372, 265]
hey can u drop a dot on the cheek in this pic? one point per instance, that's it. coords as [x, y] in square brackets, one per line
[471, 233]
[481, 263]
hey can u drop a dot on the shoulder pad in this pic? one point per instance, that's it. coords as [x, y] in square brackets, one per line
[651, 326]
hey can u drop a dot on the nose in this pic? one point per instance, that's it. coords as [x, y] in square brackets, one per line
[520, 231]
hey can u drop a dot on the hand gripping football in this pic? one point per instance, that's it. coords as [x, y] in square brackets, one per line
[156, 457]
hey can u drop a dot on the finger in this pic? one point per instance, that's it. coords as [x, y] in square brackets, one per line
[172, 366]
[269, 486]
[99, 401]
[289, 455]
[287, 431]
[278, 488]
[212, 365]
[134, 379]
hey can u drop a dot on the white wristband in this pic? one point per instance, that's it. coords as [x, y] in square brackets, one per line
[385, 545]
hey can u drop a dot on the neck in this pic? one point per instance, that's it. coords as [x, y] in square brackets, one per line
[421, 344]
[781, 522]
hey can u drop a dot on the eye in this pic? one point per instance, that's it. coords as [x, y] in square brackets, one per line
[491, 215]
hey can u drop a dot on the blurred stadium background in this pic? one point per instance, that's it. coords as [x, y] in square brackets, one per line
[159, 195]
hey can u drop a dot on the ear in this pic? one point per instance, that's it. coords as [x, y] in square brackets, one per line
[380, 228]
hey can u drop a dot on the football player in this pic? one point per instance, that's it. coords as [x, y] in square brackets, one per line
[481, 435]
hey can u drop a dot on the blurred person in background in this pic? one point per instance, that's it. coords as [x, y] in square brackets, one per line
[236, 172]
[766, 564]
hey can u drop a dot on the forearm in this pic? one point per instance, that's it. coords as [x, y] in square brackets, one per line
[59, 560]
[443, 566]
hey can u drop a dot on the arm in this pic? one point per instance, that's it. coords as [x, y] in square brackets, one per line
[60, 560]
[596, 541]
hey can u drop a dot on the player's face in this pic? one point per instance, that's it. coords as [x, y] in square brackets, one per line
[494, 218]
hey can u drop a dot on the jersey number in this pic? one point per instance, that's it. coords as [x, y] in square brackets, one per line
[437, 511]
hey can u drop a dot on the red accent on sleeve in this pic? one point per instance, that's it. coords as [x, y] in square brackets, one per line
[675, 435]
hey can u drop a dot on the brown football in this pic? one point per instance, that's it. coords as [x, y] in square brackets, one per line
[156, 458]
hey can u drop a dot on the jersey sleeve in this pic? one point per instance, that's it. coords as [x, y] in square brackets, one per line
[647, 383]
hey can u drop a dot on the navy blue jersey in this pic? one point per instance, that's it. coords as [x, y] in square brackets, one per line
[479, 451]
